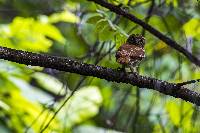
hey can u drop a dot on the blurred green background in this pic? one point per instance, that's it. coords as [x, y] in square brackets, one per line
[30, 96]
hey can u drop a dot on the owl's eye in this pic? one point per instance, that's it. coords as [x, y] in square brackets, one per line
[131, 39]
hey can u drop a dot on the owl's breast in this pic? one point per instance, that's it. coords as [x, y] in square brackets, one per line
[127, 53]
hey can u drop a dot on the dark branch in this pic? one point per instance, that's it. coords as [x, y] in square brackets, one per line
[68, 65]
[188, 82]
[149, 28]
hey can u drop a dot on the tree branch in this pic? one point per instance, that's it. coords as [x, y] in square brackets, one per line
[69, 65]
[188, 82]
[149, 28]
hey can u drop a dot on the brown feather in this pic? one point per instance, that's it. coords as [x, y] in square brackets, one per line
[129, 54]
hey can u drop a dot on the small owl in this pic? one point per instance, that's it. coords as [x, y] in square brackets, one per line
[132, 52]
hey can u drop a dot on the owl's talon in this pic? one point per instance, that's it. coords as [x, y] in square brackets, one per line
[120, 69]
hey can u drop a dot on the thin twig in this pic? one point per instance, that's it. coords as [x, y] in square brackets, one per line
[114, 117]
[61, 106]
[149, 15]
[188, 82]
[137, 111]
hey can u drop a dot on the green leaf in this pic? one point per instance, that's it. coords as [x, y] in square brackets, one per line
[50, 31]
[94, 129]
[83, 105]
[192, 27]
[121, 31]
[180, 113]
[50, 83]
[101, 25]
[22, 113]
[156, 21]
[174, 114]
[29, 34]
[94, 18]
[65, 16]
[4, 106]
[106, 33]
[173, 2]
[119, 39]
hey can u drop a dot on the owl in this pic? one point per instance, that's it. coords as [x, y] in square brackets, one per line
[132, 52]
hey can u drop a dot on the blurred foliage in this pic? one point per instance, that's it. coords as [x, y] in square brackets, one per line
[30, 96]
[28, 34]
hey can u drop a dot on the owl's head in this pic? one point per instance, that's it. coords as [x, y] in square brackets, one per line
[136, 39]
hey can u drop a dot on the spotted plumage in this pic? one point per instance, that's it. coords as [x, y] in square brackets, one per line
[132, 52]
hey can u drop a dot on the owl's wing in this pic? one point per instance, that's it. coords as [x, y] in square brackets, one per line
[137, 53]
